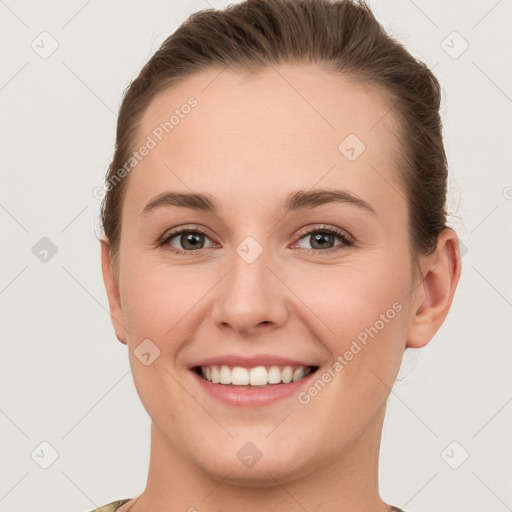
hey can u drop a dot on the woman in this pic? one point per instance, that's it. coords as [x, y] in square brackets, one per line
[275, 238]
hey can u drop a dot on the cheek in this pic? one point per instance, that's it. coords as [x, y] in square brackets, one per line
[364, 321]
[352, 299]
[158, 299]
[158, 305]
[344, 301]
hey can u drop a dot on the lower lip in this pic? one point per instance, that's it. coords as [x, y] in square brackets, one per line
[248, 397]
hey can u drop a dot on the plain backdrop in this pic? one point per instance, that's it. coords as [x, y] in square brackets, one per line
[74, 434]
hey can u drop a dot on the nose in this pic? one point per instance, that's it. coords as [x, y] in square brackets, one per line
[252, 296]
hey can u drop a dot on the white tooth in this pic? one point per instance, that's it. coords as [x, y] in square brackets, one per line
[274, 375]
[215, 374]
[225, 375]
[258, 376]
[287, 374]
[240, 376]
[298, 374]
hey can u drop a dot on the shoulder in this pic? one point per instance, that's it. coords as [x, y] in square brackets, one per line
[111, 507]
[114, 505]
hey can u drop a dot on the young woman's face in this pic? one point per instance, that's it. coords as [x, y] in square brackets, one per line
[265, 276]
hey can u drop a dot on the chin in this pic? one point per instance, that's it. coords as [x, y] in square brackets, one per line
[273, 467]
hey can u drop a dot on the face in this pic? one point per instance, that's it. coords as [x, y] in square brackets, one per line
[265, 273]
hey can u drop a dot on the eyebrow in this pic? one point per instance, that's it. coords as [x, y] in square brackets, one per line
[298, 200]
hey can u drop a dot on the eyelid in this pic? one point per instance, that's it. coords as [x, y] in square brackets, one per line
[327, 228]
[181, 229]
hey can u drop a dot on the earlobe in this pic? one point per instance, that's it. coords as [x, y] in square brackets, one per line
[112, 289]
[441, 272]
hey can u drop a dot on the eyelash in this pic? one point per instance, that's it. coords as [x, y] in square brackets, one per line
[346, 240]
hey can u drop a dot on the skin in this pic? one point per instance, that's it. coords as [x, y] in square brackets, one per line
[250, 142]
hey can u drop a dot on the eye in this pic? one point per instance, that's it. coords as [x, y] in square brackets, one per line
[186, 241]
[321, 240]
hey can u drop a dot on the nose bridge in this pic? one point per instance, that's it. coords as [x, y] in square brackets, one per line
[250, 293]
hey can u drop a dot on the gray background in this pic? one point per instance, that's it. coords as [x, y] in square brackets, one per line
[65, 378]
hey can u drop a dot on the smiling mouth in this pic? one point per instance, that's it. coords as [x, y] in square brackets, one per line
[252, 378]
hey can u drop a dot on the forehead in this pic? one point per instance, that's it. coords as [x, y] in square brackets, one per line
[257, 136]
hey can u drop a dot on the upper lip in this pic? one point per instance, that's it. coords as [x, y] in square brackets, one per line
[250, 361]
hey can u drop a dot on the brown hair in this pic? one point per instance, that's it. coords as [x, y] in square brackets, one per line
[341, 36]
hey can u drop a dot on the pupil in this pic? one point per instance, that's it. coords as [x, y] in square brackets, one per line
[191, 238]
[322, 237]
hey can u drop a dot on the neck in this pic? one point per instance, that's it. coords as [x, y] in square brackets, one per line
[347, 481]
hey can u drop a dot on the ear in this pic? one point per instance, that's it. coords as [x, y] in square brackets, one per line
[112, 289]
[440, 275]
